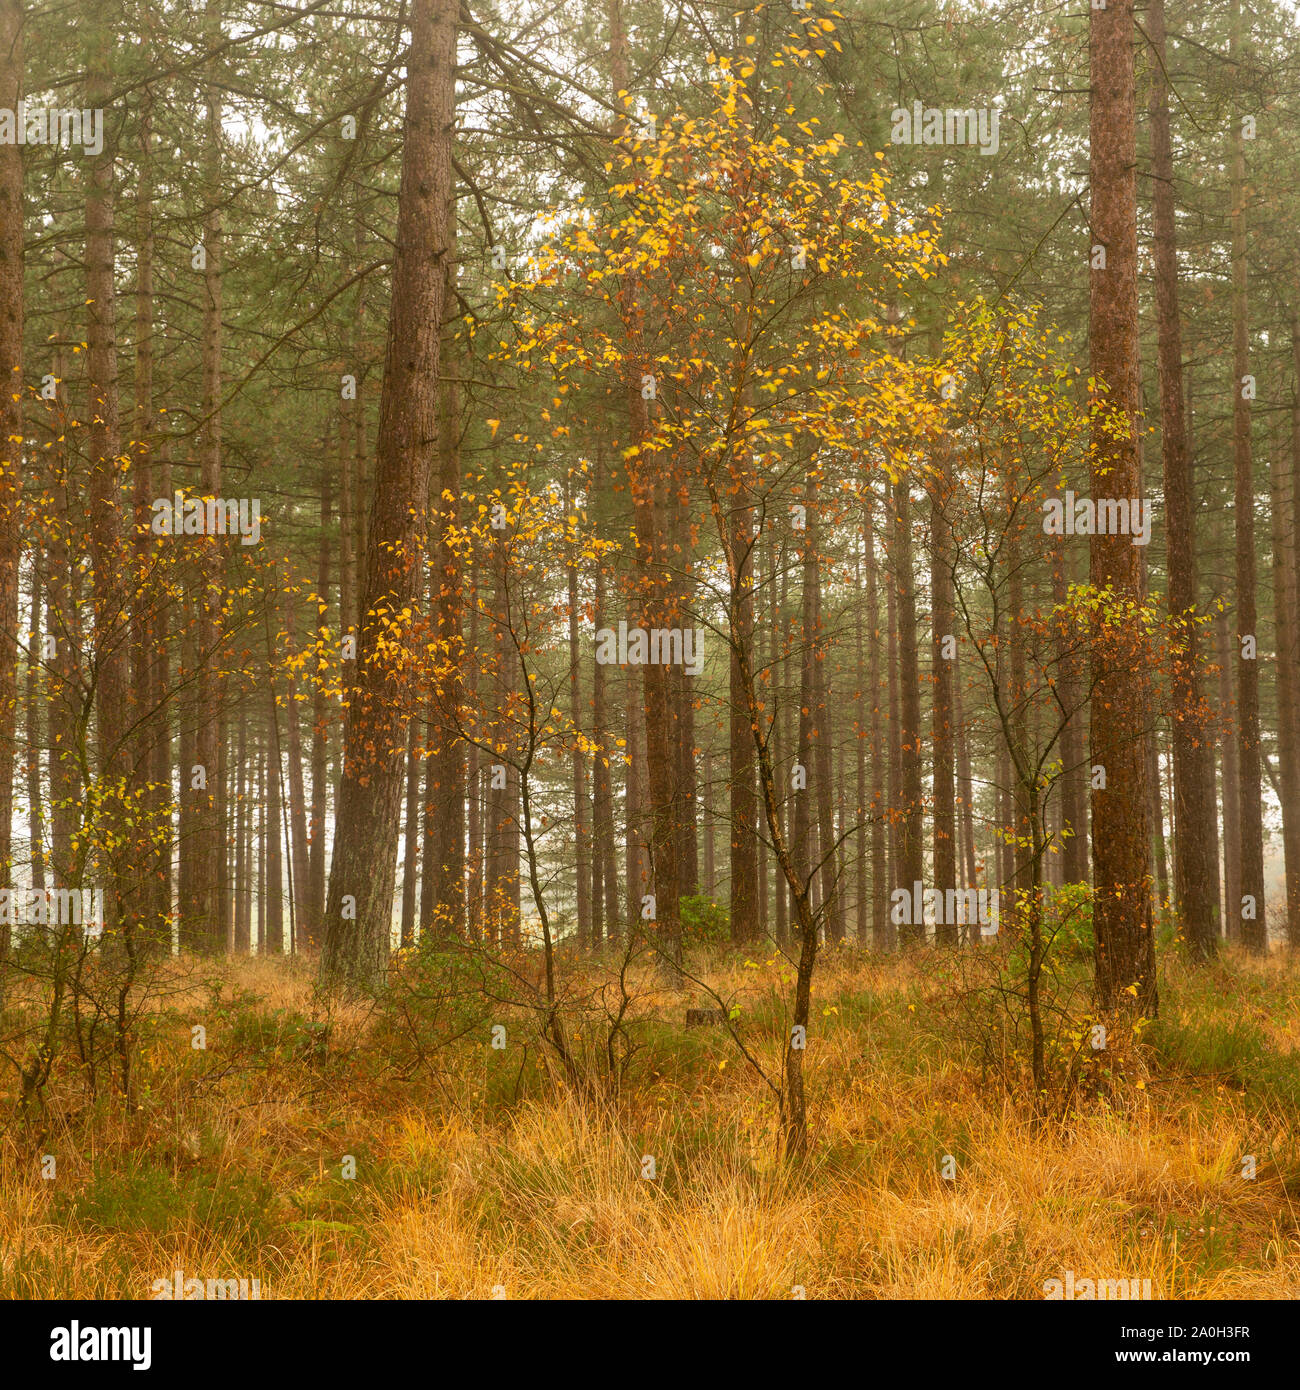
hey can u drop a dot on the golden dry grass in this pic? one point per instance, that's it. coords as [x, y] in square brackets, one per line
[468, 1185]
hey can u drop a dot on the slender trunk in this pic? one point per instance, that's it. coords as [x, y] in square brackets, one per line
[942, 626]
[273, 942]
[412, 838]
[1193, 752]
[1231, 784]
[442, 893]
[11, 427]
[823, 741]
[1254, 927]
[882, 936]
[910, 868]
[862, 915]
[33, 696]
[242, 875]
[688, 847]
[965, 787]
[314, 908]
[578, 761]
[637, 863]
[1287, 668]
[112, 682]
[604, 894]
[744, 808]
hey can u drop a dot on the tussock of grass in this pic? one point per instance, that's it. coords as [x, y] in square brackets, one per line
[476, 1172]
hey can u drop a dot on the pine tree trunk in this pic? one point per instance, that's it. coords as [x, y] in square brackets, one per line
[33, 697]
[637, 861]
[743, 800]
[314, 909]
[148, 713]
[104, 443]
[411, 842]
[824, 737]
[965, 787]
[882, 935]
[273, 943]
[442, 906]
[942, 626]
[365, 848]
[1231, 784]
[910, 838]
[604, 892]
[242, 875]
[688, 846]
[578, 761]
[1121, 846]
[11, 427]
[862, 905]
[1074, 773]
[1254, 928]
[1193, 752]
[1287, 667]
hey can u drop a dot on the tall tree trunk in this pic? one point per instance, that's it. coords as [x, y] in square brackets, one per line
[365, 848]
[202, 845]
[823, 741]
[942, 626]
[111, 649]
[443, 891]
[262, 851]
[1254, 927]
[683, 693]
[1121, 846]
[911, 848]
[1074, 773]
[1193, 751]
[862, 914]
[1231, 785]
[965, 787]
[802, 848]
[274, 943]
[411, 843]
[347, 524]
[744, 804]
[33, 726]
[298, 846]
[637, 861]
[502, 887]
[604, 894]
[314, 909]
[242, 874]
[11, 426]
[1287, 667]
[148, 714]
[578, 761]
[662, 748]
[882, 935]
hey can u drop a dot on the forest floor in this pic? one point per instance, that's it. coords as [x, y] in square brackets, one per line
[479, 1172]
